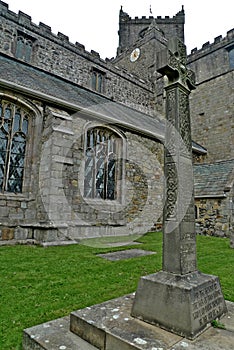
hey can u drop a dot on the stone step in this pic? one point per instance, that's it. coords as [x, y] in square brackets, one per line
[110, 326]
[54, 335]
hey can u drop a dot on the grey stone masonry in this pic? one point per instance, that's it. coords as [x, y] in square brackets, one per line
[109, 326]
[212, 107]
[55, 54]
[179, 246]
[132, 29]
[178, 298]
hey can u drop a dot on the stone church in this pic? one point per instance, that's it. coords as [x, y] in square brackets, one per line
[81, 138]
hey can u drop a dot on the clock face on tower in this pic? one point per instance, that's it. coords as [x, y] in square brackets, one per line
[135, 54]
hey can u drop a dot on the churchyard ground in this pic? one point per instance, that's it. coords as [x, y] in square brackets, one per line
[41, 284]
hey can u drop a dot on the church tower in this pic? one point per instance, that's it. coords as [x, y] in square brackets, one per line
[133, 29]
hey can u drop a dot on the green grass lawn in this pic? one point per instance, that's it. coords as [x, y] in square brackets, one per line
[40, 284]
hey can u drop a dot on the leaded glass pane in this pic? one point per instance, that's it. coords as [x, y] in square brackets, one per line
[12, 147]
[17, 118]
[111, 178]
[16, 164]
[25, 126]
[100, 164]
[3, 150]
[89, 167]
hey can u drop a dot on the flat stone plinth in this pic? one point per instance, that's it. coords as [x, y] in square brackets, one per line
[111, 325]
[183, 304]
[54, 335]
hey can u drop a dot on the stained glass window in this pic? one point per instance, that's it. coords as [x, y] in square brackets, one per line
[101, 164]
[13, 134]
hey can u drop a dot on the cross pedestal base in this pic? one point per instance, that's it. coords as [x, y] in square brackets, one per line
[182, 304]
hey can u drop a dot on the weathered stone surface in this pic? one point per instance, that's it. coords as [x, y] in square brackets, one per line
[123, 332]
[54, 335]
[110, 326]
[184, 304]
[179, 298]
[126, 254]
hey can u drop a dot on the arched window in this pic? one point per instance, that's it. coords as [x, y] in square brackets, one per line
[24, 46]
[98, 80]
[13, 136]
[102, 163]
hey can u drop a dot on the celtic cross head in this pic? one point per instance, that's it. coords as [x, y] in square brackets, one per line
[172, 63]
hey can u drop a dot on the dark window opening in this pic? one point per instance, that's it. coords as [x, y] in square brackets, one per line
[231, 57]
[97, 80]
[24, 47]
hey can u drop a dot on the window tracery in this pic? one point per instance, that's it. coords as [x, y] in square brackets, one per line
[13, 137]
[102, 164]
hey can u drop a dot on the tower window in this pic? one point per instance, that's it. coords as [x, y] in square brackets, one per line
[24, 46]
[13, 135]
[102, 164]
[98, 80]
[231, 58]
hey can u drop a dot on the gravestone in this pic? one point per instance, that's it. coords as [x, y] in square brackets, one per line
[179, 298]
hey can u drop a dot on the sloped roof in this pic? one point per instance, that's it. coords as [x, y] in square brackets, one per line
[33, 81]
[212, 180]
[37, 83]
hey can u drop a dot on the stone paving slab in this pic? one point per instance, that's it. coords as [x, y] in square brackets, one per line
[122, 244]
[112, 327]
[58, 243]
[126, 254]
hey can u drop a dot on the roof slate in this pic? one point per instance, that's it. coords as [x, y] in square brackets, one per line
[213, 179]
[22, 75]
[35, 79]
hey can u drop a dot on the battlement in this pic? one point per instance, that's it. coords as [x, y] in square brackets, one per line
[55, 53]
[43, 29]
[124, 17]
[219, 41]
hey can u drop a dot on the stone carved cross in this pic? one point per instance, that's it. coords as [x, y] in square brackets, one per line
[172, 63]
[179, 298]
[179, 240]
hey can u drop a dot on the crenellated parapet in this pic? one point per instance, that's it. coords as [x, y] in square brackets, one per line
[213, 59]
[24, 20]
[208, 46]
[179, 17]
[37, 46]
[132, 29]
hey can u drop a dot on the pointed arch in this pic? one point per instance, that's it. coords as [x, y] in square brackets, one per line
[14, 133]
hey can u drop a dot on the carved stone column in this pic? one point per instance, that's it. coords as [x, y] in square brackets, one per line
[179, 298]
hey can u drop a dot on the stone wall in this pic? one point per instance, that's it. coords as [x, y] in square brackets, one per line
[211, 104]
[140, 187]
[55, 54]
[132, 29]
[52, 206]
[18, 210]
[214, 217]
